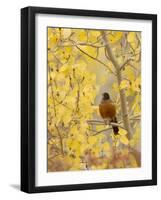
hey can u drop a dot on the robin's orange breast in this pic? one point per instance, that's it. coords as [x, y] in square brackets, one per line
[107, 109]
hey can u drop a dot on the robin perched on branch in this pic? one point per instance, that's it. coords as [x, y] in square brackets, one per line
[107, 111]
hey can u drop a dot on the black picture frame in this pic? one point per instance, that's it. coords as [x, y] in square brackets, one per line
[28, 98]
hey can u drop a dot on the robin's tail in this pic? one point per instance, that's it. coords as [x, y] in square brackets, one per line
[115, 128]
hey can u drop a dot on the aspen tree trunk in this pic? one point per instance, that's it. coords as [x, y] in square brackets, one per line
[123, 99]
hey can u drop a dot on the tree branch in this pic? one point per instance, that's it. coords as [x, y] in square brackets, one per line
[96, 59]
[123, 98]
[94, 121]
[81, 44]
[98, 132]
[103, 123]
[125, 63]
[52, 93]
[60, 139]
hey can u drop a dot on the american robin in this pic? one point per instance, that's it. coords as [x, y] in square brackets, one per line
[107, 111]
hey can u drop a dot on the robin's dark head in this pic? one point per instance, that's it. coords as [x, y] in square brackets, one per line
[106, 96]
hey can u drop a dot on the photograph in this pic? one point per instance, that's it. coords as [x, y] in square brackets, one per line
[93, 99]
[89, 99]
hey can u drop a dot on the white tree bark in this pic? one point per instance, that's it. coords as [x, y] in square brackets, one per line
[123, 99]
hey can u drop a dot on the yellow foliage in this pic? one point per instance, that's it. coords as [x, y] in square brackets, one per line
[132, 39]
[81, 35]
[90, 50]
[93, 36]
[114, 36]
[124, 84]
[122, 132]
[78, 74]
[124, 139]
[129, 73]
[65, 69]
[136, 85]
[92, 140]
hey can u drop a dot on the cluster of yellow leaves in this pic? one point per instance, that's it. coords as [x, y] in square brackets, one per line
[72, 90]
[132, 38]
[53, 37]
[132, 82]
[121, 138]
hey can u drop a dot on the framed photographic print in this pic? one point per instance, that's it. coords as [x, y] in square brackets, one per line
[88, 99]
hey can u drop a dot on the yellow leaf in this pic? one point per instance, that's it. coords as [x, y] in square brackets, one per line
[69, 141]
[137, 109]
[82, 35]
[131, 37]
[93, 36]
[75, 145]
[99, 128]
[124, 84]
[66, 69]
[50, 56]
[130, 92]
[100, 137]
[136, 85]
[52, 41]
[129, 73]
[68, 49]
[74, 130]
[122, 132]
[114, 36]
[124, 140]
[92, 140]
[66, 118]
[51, 63]
[81, 138]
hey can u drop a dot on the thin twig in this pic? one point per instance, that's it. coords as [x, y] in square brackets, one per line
[125, 63]
[98, 132]
[96, 121]
[81, 44]
[52, 93]
[95, 59]
[106, 54]
[103, 123]
[61, 139]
